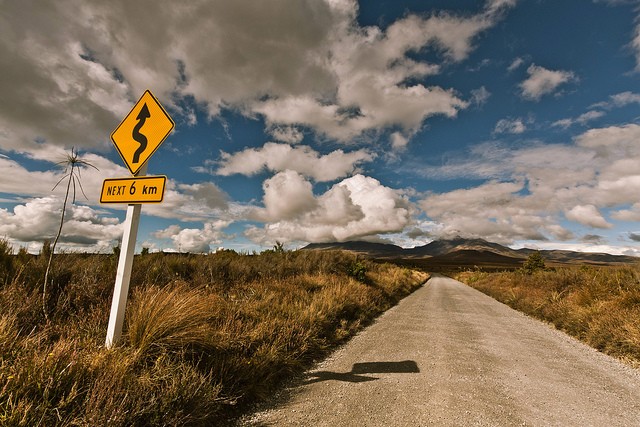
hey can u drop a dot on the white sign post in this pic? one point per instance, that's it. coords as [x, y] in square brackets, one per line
[136, 139]
[123, 274]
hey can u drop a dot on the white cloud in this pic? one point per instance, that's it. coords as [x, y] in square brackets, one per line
[399, 141]
[303, 159]
[192, 239]
[619, 100]
[287, 195]
[529, 198]
[206, 193]
[52, 90]
[355, 208]
[542, 81]
[582, 119]
[288, 134]
[585, 118]
[371, 69]
[188, 202]
[625, 98]
[480, 96]
[631, 215]
[515, 64]
[38, 219]
[491, 210]
[635, 45]
[612, 140]
[72, 69]
[496, 5]
[587, 215]
[17, 179]
[513, 126]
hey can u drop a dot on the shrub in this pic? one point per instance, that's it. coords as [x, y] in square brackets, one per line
[358, 271]
[169, 320]
[535, 262]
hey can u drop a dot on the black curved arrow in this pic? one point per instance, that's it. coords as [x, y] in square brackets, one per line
[143, 115]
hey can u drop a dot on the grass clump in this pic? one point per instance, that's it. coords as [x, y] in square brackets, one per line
[204, 335]
[598, 305]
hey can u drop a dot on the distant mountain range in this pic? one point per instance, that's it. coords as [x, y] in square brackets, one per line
[459, 251]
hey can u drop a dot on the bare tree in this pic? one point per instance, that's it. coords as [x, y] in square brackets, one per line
[72, 167]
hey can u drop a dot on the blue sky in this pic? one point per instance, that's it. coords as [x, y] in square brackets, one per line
[516, 121]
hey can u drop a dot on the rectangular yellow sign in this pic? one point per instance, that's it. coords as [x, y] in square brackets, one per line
[144, 189]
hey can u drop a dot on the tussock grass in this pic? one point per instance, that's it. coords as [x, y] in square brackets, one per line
[204, 336]
[170, 319]
[598, 305]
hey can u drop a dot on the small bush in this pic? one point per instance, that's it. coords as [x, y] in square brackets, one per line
[535, 262]
[169, 320]
[358, 271]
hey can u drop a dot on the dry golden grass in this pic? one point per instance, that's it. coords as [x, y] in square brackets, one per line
[204, 335]
[598, 305]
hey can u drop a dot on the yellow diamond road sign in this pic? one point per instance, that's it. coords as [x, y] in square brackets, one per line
[141, 132]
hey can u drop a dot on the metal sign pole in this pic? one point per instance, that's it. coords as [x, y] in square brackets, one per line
[123, 275]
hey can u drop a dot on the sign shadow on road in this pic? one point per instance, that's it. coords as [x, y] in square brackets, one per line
[359, 372]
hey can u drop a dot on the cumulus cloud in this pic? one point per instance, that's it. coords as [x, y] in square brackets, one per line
[542, 81]
[631, 215]
[38, 219]
[355, 208]
[187, 202]
[587, 215]
[194, 240]
[371, 69]
[81, 66]
[287, 195]
[527, 197]
[612, 140]
[493, 211]
[303, 159]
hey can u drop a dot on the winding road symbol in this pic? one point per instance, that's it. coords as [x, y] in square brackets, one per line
[141, 132]
[142, 117]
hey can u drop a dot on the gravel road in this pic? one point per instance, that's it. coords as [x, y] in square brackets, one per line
[448, 355]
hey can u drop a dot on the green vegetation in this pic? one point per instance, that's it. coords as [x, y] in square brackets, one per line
[205, 335]
[534, 262]
[598, 305]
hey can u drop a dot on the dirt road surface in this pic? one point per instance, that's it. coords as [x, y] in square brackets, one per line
[448, 355]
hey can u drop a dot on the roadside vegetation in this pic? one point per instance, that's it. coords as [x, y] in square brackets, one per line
[598, 305]
[204, 335]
